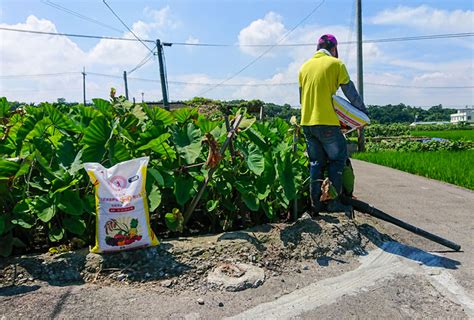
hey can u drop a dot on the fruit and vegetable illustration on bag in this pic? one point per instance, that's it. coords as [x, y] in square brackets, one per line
[122, 219]
[121, 234]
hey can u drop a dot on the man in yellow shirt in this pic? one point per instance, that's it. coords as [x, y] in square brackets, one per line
[319, 79]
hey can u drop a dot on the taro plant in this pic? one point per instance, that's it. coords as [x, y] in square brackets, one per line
[46, 197]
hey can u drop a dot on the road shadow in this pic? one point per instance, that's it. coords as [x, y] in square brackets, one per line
[59, 270]
[388, 244]
[79, 267]
[15, 290]
[422, 257]
[147, 264]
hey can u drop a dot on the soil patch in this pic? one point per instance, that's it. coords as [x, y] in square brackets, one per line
[184, 263]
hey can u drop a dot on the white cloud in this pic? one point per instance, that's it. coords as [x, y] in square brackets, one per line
[268, 30]
[130, 53]
[162, 18]
[26, 54]
[426, 18]
[192, 40]
[23, 53]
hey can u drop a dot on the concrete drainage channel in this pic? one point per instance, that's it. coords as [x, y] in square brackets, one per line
[386, 262]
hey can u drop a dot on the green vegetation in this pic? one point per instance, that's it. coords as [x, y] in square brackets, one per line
[406, 114]
[466, 135]
[451, 167]
[46, 197]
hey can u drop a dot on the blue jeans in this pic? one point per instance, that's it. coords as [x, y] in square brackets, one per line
[326, 147]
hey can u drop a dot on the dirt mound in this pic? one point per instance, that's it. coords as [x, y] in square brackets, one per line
[184, 263]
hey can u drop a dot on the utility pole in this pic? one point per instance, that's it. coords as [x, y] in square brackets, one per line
[84, 84]
[143, 98]
[126, 84]
[164, 88]
[360, 68]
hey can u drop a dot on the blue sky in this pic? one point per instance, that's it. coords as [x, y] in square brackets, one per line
[410, 65]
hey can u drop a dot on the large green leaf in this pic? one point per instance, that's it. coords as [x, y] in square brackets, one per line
[269, 212]
[103, 106]
[43, 208]
[183, 189]
[161, 115]
[76, 165]
[59, 120]
[160, 146]
[206, 125]
[28, 124]
[157, 176]
[184, 114]
[66, 153]
[97, 133]
[119, 152]
[56, 233]
[257, 138]
[69, 202]
[8, 168]
[74, 224]
[251, 201]
[89, 112]
[255, 160]
[282, 126]
[246, 123]
[188, 142]
[155, 198]
[286, 176]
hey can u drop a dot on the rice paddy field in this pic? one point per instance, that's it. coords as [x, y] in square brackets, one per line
[455, 167]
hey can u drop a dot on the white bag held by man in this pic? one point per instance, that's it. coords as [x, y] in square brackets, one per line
[122, 216]
[349, 115]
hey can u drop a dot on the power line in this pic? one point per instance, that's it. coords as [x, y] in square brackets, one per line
[125, 25]
[413, 38]
[266, 51]
[144, 61]
[79, 15]
[73, 35]
[417, 87]
[37, 75]
[263, 84]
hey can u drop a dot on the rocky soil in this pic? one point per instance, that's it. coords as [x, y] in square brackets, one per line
[184, 263]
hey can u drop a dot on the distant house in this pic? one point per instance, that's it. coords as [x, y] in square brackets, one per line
[463, 115]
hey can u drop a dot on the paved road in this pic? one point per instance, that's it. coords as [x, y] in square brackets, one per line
[438, 207]
[415, 278]
[418, 267]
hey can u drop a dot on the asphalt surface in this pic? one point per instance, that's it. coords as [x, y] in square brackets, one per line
[437, 207]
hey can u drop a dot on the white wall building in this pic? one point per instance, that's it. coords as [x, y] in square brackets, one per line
[463, 115]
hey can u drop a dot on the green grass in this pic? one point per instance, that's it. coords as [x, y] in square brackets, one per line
[454, 167]
[467, 135]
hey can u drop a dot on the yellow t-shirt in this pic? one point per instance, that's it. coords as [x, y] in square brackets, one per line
[319, 79]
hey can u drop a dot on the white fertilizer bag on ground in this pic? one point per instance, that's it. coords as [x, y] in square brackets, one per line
[122, 216]
[349, 115]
